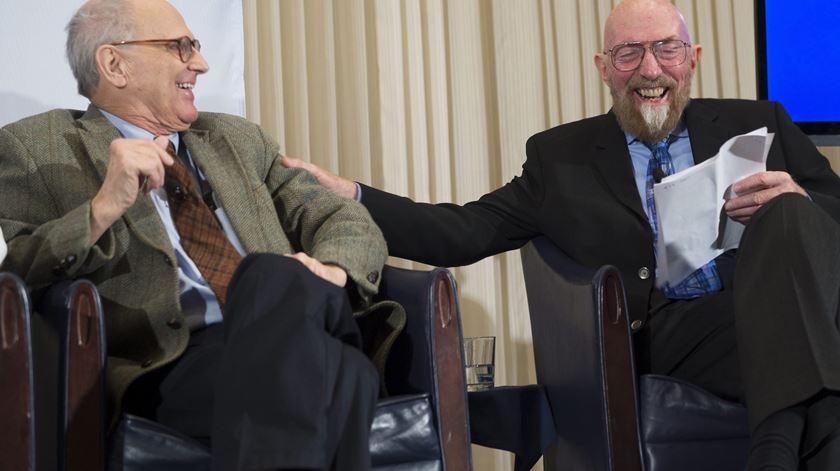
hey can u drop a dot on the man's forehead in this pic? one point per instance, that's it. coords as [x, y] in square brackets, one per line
[644, 22]
[643, 32]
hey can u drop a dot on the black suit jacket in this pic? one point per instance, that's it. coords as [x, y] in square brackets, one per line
[577, 188]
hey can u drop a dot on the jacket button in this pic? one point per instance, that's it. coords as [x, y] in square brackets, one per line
[69, 260]
[168, 260]
[174, 323]
[146, 363]
[373, 276]
[636, 325]
[644, 273]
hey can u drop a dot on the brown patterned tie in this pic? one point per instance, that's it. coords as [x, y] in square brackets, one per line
[201, 234]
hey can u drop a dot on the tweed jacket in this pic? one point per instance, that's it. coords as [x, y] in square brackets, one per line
[54, 163]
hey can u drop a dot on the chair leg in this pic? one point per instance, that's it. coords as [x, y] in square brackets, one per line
[17, 407]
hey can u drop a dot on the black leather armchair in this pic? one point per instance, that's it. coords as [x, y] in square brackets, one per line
[37, 378]
[423, 425]
[584, 357]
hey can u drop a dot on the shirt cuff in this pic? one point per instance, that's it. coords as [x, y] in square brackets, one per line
[358, 192]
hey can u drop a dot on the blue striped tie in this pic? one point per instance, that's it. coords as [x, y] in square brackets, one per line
[704, 280]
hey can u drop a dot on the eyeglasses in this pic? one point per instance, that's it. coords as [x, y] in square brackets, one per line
[184, 44]
[668, 52]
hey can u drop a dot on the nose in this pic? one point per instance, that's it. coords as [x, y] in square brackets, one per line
[650, 68]
[197, 63]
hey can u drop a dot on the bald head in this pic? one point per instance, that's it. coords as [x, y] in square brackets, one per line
[99, 22]
[644, 20]
[651, 81]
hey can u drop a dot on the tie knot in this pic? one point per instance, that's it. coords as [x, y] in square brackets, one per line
[659, 145]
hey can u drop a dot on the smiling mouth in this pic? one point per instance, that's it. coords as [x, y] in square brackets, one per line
[186, 86]
[651, 94]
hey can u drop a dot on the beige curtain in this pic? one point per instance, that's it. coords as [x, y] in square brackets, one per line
[434, 99]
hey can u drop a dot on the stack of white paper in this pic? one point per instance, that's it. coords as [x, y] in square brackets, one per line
[693, 228]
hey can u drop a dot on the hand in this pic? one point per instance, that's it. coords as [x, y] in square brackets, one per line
[335, 183]
[332, 273]
[752, 192]
[133, 165]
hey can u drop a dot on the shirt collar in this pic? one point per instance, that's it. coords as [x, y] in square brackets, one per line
[679, 131]
[132, 131]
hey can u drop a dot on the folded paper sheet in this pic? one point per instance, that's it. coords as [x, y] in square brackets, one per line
[693, 228]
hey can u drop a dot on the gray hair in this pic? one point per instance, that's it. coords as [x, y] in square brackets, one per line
[94, 24]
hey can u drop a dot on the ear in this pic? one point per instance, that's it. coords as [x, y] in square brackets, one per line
[696, 51]
[601, 64]
[111, 65]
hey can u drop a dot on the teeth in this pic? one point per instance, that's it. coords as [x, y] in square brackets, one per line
[651, 92]
[186, 86]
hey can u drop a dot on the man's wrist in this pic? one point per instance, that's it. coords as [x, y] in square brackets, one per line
[100, 220]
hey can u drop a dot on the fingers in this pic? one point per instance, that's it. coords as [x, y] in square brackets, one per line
[163, 142]
[140, 160]
[290, 162]
[334, 183]
[332, 273]
[752, 192]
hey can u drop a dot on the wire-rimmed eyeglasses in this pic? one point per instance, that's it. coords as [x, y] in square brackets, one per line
[668, 52]
[184, 44]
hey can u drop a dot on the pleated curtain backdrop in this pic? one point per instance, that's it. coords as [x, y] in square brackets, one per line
[434, 99]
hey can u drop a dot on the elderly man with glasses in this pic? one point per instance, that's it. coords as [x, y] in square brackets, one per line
[182, 219]
[758, 324]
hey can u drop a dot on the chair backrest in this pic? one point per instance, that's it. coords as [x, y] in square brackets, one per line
[584, 358]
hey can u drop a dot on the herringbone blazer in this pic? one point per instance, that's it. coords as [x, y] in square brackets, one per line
[52, 165]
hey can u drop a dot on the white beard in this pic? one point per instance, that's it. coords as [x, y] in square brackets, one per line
[654, 116]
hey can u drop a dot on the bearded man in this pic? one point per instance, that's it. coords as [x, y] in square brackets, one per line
[757, 325]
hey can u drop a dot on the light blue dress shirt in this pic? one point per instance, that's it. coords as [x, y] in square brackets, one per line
[198, 302]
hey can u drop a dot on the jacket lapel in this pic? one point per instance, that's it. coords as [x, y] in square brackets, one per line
[217, 160]
[612, 159]
[96, 134]
[706, 132]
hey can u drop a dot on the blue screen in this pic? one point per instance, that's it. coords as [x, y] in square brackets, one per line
[803, 57]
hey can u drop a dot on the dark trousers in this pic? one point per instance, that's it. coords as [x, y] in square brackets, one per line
[771, 338]
[280, 384]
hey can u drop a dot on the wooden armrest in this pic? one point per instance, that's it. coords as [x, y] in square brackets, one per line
[17, 407]
[428, 356]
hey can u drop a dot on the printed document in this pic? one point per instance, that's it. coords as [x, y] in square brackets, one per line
[693, 228]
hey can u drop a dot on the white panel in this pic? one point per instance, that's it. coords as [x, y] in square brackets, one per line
[36, 76]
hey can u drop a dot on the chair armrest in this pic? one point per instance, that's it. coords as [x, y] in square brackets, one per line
[17, 383]
[584, 358]
[73, 311]
[428, 356]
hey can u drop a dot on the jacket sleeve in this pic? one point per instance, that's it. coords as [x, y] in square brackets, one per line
[44, 244]
[328, 228]
[447, 234]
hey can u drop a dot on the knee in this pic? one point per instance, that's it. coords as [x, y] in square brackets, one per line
[280, 270]
[785, 211]
[785, 203]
